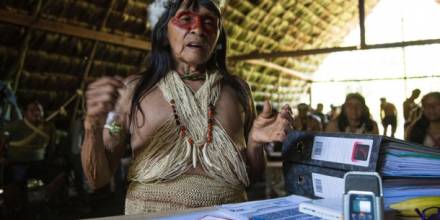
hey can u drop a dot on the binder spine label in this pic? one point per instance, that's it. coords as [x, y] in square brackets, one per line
[327, 186]
[350, 151]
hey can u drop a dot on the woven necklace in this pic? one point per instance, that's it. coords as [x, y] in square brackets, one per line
[192, 137]
[183, 130]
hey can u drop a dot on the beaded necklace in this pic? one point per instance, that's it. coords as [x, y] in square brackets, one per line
[183, 129]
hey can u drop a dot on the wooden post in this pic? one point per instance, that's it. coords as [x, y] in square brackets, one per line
[90, 61]
[24, 49]
[362, 22]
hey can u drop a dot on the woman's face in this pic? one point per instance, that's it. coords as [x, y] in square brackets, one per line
[193, 35]
[431, 108]
[353, 109]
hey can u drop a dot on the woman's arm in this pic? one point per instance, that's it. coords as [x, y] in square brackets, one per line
[267, 127]
[102, 149]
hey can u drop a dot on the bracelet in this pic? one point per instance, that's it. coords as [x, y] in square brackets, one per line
[113, 128]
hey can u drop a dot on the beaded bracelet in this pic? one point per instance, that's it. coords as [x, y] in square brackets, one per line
[113, 128]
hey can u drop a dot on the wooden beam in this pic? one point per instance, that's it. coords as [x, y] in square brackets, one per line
[68, 29]
[298, 53]
[377, 79]
[282, 69]
[90, 61]
[21, 60]
[362, 22]
[24, 48]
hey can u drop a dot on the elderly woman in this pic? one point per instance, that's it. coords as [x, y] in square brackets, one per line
[426, 130]
[354, 117]
[190, 123]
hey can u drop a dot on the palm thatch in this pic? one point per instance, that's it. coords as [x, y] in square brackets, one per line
[49, 55]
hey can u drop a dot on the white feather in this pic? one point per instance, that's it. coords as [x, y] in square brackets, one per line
[155, 10]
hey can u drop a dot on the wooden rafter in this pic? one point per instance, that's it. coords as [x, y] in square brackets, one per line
[282, 69]
[297, 53]
[67, 29]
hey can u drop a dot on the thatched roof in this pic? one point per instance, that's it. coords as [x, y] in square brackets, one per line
[47, 48]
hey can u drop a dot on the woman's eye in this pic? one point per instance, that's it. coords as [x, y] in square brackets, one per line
[209, 21]
[185, 18]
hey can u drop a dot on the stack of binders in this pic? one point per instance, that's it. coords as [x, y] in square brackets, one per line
[315, 163]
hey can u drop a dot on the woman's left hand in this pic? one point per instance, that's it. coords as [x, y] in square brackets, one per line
[270, 126]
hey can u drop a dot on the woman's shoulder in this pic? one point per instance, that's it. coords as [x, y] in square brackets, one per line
[131, 81]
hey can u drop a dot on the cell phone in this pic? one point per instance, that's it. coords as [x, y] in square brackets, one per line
[363, 198]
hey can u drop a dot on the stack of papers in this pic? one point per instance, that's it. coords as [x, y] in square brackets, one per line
[400, 160]
[409, 171]
[285, 208]
[398, 190]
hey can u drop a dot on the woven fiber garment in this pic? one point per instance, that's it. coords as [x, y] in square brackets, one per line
[187, 191]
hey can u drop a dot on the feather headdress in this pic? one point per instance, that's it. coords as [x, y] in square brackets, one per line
[157, 8]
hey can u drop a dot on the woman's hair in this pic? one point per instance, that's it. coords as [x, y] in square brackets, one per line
[160, 60]
[365, 117]
[418, 131]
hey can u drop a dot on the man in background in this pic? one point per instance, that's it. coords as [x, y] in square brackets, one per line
[410, 109]
[30, 153]
[319, 112]
[305, 121]
[388, 115]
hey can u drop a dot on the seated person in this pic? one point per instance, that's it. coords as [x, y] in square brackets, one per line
[354, 117]
[32, 138]
[306, 121]
[30, 151]
[426, 130]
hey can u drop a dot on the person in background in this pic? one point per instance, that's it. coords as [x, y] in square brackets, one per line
[426, 130]
[31, 154]
[411, 110]
[333, 113]
[388, 115]
[354, 117]
[305, 121]
[319, 112]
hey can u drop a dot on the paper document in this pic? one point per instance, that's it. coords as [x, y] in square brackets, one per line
[271, 209]
[398, 190]
[285, 208]
[399, 163]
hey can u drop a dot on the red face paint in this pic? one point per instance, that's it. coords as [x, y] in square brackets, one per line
[189, 20]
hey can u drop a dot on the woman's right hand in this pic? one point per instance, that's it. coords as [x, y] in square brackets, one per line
[101, 98]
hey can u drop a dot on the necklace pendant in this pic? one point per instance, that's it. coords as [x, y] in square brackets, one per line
[206, 158]
[194, 156]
